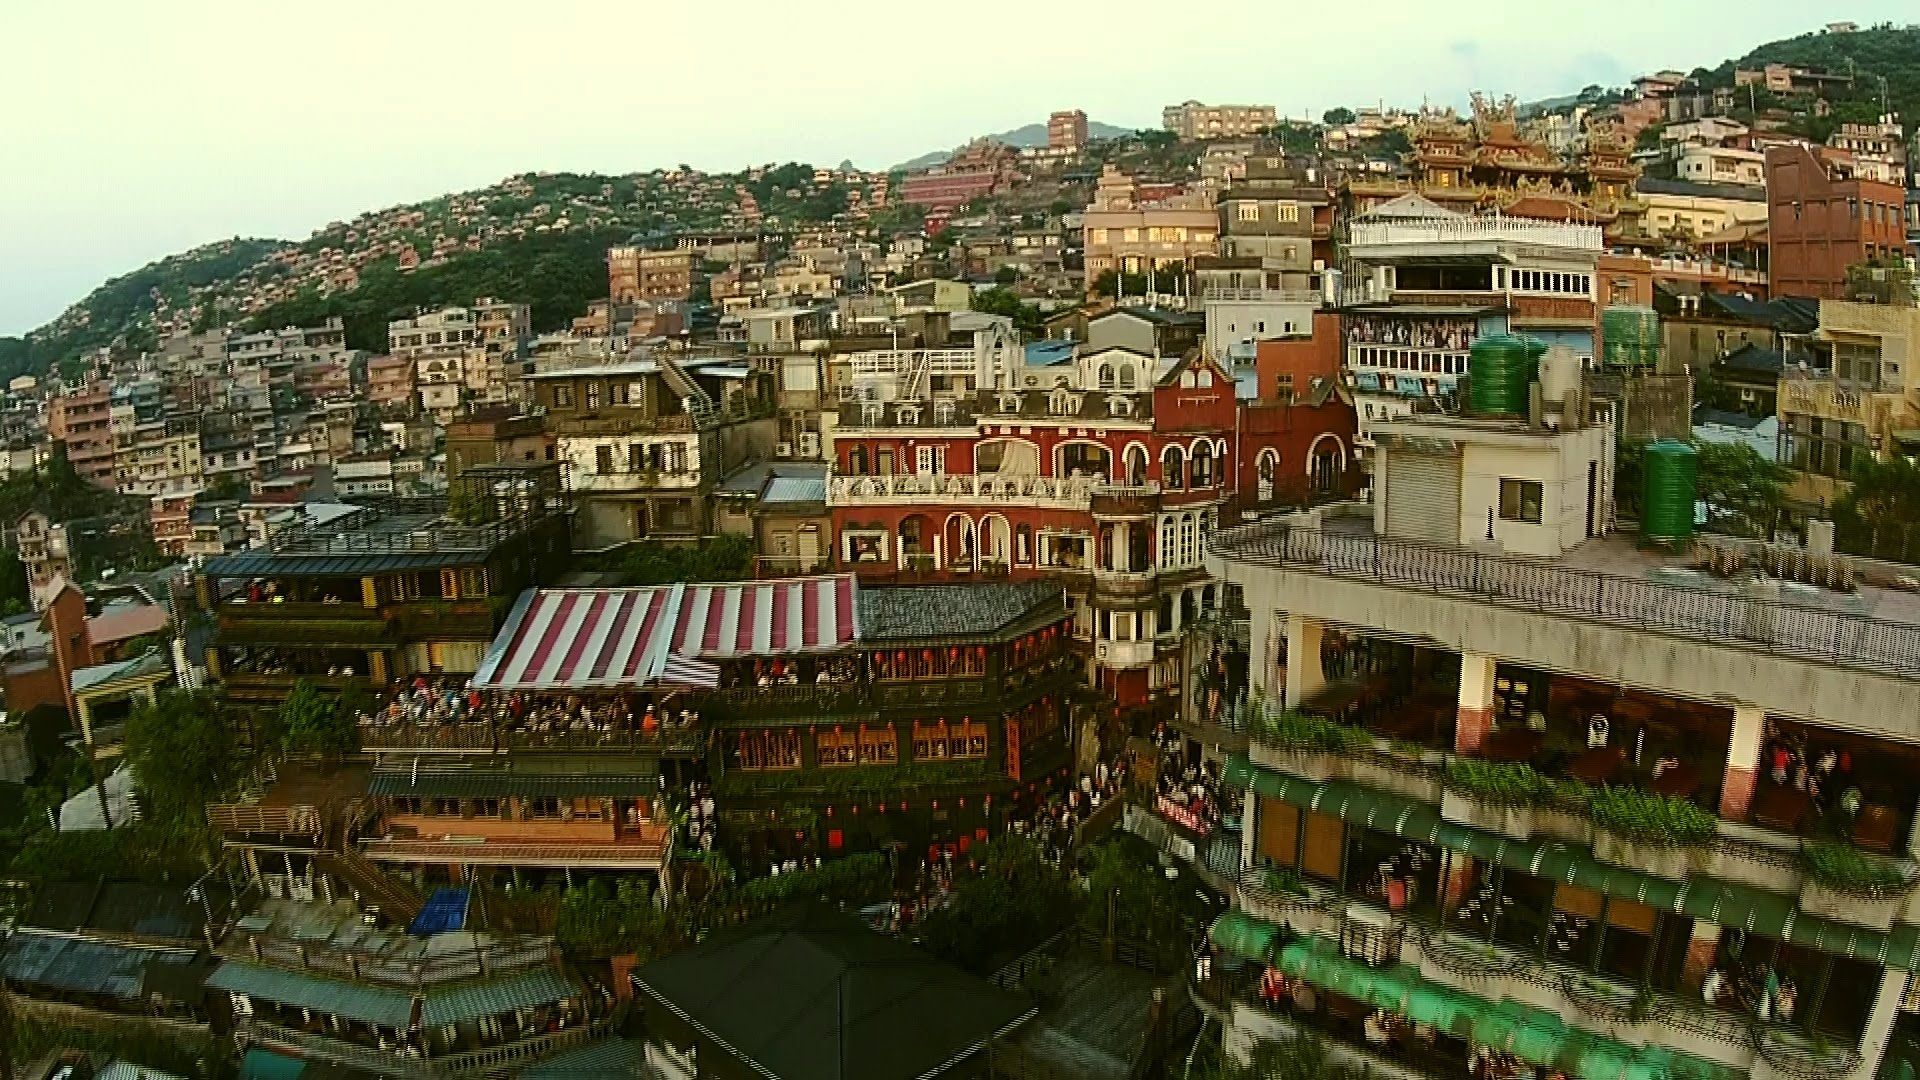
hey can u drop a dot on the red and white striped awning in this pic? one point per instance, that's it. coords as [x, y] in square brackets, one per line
[575, 639]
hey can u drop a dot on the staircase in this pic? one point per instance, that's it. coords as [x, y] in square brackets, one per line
[395, 898]
[919, 364]
[699, 404]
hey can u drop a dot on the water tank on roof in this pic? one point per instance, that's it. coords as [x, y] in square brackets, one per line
[1671, 483]
[1559, 374]
[1501, 368]
[1629, 336]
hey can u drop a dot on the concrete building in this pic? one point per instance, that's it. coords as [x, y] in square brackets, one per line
[1067, 130]
[1720, 165]
[81, 422]
[1192, 120]
[1128, 235]
[634, 274]
[1823, 218]
[1857, 397]
[1590, 665]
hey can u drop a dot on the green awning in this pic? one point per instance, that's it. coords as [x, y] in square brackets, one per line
[379, 1005]
[1442, 1009]
[1243, 935]
[1594, 1057]
[491, 997]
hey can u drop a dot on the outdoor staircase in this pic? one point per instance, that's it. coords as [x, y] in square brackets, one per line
[396, 899]
[699, 404]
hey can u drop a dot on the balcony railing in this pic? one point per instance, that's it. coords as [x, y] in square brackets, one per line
[483, 1062]
[1716, 618]
[489, 737]
[1064, 493]
[1472, 230]
[410, 972]
[1263, 296]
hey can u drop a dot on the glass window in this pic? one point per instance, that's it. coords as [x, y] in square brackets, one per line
[1520, 500]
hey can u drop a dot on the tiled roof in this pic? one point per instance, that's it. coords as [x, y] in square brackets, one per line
[1751, 357]
[125, 621]
[924, 611]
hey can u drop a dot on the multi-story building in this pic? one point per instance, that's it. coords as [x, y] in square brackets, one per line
[1128, 235]
[390, 385]
[1192, 120]
[447, 331]
[1067, 130]
[1789, 80]
[1491, 624]
[404, 586]
[1100, 468]
[1856, 398]
[491, 435]
[81, 422]
[643, 441]
[1823, 217]
[41, 544]
[634, 274]
[1720, 165]
[1421, 290]
[162, 457]
[977, 169]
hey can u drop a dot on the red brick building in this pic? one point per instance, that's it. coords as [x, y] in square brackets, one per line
[1822, 219]
[1295, 438]
[978, 169]
[1104, 470]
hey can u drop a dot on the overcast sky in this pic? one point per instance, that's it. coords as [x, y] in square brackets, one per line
[132, 129]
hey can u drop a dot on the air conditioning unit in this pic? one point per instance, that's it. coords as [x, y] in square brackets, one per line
[809, 444]
[784, 449]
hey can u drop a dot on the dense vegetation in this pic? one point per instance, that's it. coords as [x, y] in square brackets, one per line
[1881, 52]
[556, 275]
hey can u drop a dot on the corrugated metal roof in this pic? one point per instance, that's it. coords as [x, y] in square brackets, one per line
[476, 785]
[603, 1059]
[795, 489]
[353, 1001]
[474, 1000]
[263, 563]
[87, 967]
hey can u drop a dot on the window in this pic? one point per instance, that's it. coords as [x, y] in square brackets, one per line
[963, 740]
[836, 748]
[603, 459]
[636, 457]
[927, 460]
[1520, 500]
[593, 393]
[563, 396]
[1246, 211]
[1173, 468]
[879, 746]
[617, 393]
[544, 807]
[769, 750]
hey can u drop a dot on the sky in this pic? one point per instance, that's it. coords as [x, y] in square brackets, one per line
[134, 129]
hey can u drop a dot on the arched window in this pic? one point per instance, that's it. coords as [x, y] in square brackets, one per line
[1173, 468]
[996, 540]
[960, 542]
[1126, 377]
[913, 536]
[1189, 540]
[1169, 543]
[1267, 467]
[1136, 465]
[1203, 465]
[1106, 376]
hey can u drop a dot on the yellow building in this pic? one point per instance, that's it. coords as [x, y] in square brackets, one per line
[1693, 211]
[1130, 236]
[1858, 399]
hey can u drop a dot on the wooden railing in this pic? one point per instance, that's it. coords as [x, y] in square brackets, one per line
[299, 820]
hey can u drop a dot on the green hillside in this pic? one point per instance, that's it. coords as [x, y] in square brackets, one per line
[1881, 52]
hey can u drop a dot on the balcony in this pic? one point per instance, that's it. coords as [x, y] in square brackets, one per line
[988, 489]
[1123, 654]
[623, 483]
[1224, 294]
[1125, 501]
[634, 423]
[1400, 234]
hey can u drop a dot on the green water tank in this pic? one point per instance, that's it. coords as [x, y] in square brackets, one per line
[1672, 482]
[1500, 368]
[1629, 336]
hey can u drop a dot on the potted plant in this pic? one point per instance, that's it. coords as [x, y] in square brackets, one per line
[1402, 768]
[1497, 796]
[1312, 747]
[1647, 832]
[1842, 882]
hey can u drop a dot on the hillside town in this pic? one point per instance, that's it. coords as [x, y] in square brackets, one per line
[1425, 592]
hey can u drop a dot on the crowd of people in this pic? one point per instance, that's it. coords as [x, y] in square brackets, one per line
[1184, 791]
[1825, 775]
[1055, 822]
[454, 703]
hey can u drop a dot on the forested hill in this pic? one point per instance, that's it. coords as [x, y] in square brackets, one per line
[1882, 52]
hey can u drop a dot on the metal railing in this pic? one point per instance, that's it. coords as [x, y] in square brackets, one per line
[1719, 618]
[413, 972]
[1450, 230]
[480, 1062]
[489, 737]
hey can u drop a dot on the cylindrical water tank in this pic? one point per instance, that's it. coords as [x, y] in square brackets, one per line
[1629, 336]
[1501, 369]
[1671, 486]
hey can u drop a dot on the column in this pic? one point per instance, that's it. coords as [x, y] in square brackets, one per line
[1743, 762]
[1702, 950]
[1475, 716]
[1249, 827]
[1886, 1010]
[1304, 675]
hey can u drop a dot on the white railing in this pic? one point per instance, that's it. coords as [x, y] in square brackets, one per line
[1261, 296]
[900, 362]
[1451, 230]
[1708, 268]
[1068, 493]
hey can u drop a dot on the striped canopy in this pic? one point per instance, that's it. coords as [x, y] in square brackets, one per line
[580, 639]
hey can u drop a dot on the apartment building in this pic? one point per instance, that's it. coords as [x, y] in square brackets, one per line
[1392, 878]
[1721, 165]
[979, 168]
[162, 457]
[1125, 234]
[41, 545]
[1822, 217]
[1856, 398]
[634, 274]
[81, 422]
[1192, 120]
[390, 385]
[403, 586]
[1067, 130]
[1421, 290]
[644, 441]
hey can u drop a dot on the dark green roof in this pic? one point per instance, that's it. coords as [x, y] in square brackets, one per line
[269, 564]
[603, 1059]
[813, 994]
[354, 1001]
[471, 1001]
[913, 612]
[489, 784]
[1768, 914]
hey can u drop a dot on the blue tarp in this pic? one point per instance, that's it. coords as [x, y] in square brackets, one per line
[445, 910]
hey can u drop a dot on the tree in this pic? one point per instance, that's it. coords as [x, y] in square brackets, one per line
[182, 754]
[1016, 900]
[1156, 139]
[1124, 884]
[312, 721]
[1108, 282]
[1006, 275]
[1879, 516]
[727, 557]
[1881, 281]
[1338, 116]
[998, 301]
[1744, 492]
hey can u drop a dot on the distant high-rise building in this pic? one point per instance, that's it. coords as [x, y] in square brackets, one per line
[1067, 130]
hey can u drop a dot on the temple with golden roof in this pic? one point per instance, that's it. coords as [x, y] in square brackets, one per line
[1487, 164]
